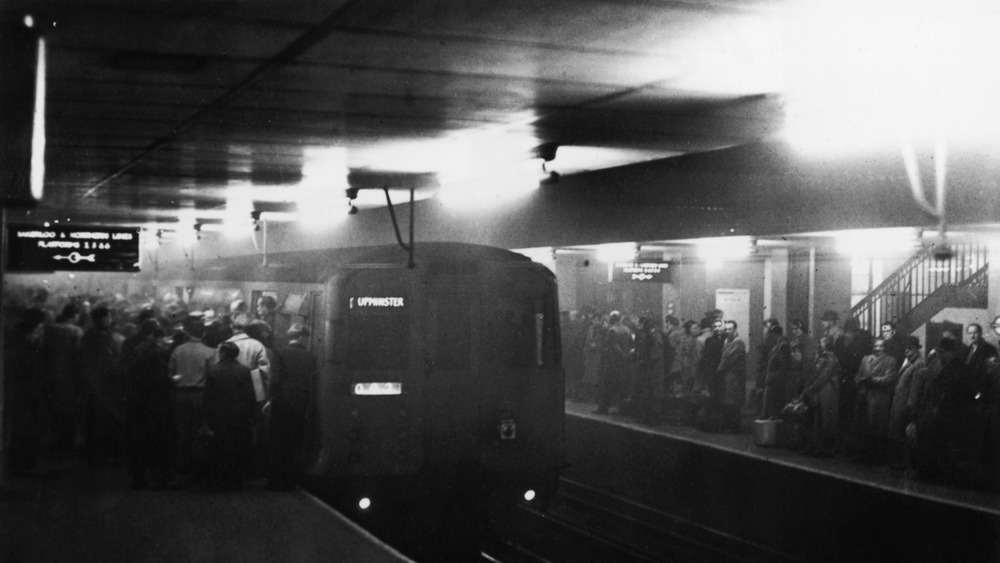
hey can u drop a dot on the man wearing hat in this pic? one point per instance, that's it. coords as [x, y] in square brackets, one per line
[292, 378]
[904, 399]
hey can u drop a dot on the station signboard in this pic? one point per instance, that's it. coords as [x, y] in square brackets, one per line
[31, 248]
[650, 271]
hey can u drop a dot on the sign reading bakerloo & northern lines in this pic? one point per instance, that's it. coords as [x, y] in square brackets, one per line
[32, 248]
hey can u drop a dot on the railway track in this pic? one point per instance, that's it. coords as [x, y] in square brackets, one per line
[585, 524]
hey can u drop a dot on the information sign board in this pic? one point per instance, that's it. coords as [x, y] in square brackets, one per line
[652, 272]
[32, 248]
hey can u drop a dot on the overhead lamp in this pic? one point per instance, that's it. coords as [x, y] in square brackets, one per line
[546, 152]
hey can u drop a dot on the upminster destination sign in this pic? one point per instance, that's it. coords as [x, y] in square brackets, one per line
[84, 249]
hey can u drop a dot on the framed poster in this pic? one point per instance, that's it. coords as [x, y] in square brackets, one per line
[735, 305]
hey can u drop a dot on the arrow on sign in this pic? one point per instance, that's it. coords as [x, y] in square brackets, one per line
[75, 257]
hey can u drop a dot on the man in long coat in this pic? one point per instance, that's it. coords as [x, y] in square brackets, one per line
[904, 397]
[876, 380]
[293, 376]
[616, 365]
[706, 389]
[151, 432]
[776, 370]
[229, 411]
[822, 393]
[104, 389]
[732, 374]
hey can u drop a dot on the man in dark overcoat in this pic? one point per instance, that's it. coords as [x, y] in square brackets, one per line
[292, 379]
[230, 403]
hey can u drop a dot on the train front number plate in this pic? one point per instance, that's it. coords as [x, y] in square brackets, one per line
[378, 388]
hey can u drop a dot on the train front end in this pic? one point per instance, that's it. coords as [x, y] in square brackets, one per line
[442, 391]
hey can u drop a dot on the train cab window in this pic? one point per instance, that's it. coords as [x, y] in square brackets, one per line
[378, 334]
[519, 334]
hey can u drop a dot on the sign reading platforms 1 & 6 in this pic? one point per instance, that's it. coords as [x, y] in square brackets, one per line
[87, 249]
[653, 272]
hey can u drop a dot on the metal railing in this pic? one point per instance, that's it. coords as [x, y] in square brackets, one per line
[920, 276]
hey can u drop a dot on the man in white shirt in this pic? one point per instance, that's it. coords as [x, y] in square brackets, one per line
[188, 364]
[253, 354]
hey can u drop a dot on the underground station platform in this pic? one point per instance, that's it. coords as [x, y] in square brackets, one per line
[70, 512]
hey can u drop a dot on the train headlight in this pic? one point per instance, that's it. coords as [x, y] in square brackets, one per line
[508, 429]
[529, 495]
[365, 503]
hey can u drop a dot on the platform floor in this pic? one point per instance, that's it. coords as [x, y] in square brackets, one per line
[73, 513]
[880, 476]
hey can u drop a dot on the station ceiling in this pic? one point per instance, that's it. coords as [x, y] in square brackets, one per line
[165, 109]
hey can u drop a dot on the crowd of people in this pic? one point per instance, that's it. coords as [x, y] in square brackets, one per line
[206, 392]
[875, 400]
[176, 394]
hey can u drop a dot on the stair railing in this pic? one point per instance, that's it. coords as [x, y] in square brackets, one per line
[916, 279]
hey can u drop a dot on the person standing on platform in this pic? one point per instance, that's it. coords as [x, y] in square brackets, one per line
[188, 365]
[616, 364]
[686, 382]
[230, 403]
[261, 332]
[151, 430]
[979, 352]
[707, 387]
[732, 375]
[24, 372]
[949, 437]
[895, 343]
[648, 393]
[671, 335]
[293, 378]
[592, 357]
[267, 311]
[63, 387]
[573, 334]
[850, 345]
[104, 390]
[252, 353]
[876, 381]
[904, 400]
[803, 357]
[822, 394]
[776, 366]
[134, 339]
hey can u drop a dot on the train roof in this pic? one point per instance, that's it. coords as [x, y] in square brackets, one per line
[310, 266]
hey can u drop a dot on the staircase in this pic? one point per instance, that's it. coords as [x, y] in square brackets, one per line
[923, 286]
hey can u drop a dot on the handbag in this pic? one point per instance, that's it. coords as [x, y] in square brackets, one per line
[795, 411]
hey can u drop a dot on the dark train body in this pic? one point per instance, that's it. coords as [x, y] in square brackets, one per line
[440, 387]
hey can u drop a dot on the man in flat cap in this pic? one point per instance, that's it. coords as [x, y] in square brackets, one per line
[292, 378]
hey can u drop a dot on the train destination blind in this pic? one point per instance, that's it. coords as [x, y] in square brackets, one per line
[33, 248]
[652, 272]
[377, 303]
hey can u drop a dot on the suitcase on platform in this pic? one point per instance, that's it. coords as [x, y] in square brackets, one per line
[765, 432]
